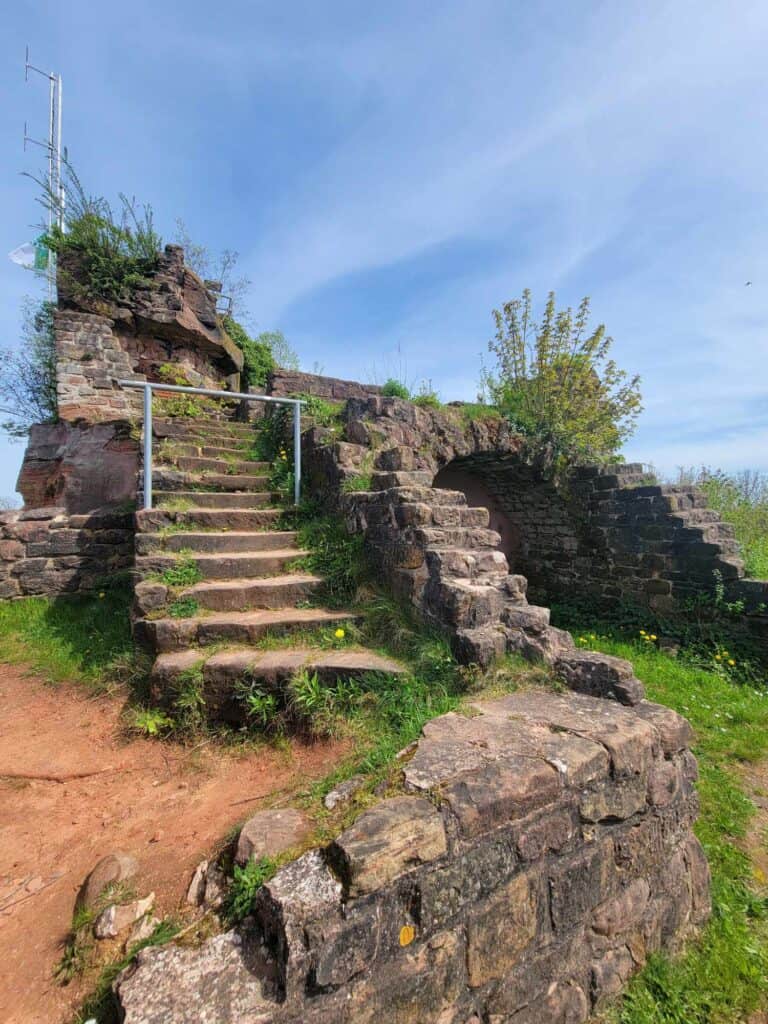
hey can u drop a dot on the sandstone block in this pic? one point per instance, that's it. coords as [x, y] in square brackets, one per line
[270, 833]
[499, 929]
[394, 837]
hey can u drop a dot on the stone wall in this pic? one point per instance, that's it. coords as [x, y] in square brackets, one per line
[169, 320]
[601, 533]
[283, 383]
[537, 852]
[47, 552]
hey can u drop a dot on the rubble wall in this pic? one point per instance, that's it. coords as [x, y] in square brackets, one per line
[538, 852]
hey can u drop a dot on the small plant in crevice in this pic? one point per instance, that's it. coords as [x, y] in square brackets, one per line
[183, 608]
[189, 700]
[184, 573]
[260, 706]
[246, 882]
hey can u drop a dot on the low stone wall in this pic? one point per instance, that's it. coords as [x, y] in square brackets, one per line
[538, 852]
[47, 552]
[283, 383]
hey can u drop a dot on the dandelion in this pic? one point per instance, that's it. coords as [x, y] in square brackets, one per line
[718, 657]
[731, 662]
[642, 632]
[101, 593]
[339, 634]
[653, 636]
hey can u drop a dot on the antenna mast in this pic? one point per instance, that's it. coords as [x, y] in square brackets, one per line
[56, 196]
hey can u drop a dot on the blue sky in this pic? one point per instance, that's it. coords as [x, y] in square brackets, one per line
[390, 173]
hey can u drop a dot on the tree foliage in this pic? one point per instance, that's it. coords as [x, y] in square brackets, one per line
[28, 380]
[556, 383]
[259, 360]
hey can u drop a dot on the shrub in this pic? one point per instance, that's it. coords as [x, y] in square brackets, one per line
[258, 358]
[101, 256]
[395, 389]
[427, 397]
[556, 383]
[28, 381]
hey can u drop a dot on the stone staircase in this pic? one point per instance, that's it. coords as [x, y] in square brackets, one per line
[219, 599]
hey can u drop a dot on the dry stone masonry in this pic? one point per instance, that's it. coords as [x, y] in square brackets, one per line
[540, 850]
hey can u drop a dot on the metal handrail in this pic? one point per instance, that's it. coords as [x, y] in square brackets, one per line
[148, 387]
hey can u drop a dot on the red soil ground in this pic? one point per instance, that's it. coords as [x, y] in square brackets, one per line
[166, 804]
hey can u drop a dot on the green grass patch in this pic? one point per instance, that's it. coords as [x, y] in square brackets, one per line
[184, 573]
[81, 639]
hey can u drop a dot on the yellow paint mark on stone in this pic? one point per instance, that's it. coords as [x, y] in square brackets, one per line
[407, 934]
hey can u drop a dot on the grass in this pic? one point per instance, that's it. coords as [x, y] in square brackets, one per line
[81, 639]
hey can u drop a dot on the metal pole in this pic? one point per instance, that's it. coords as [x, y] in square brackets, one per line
[60, 187]
[296, 452]
[147, 447]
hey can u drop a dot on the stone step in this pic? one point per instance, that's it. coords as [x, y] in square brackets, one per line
[196, 450]
[166, 479]
[237, 565]
[215, 542]
[221, 501]
[475, 565]
[224, 673]
[230, 519]
[249, 627]
[199, 464]
[458, 537]
[170, 427]
[247, 594]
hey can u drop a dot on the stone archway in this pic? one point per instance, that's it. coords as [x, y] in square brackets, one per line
[537, 527]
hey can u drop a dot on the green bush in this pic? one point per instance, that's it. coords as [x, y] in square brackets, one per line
[101, 255]
[395, 389]
[556, 383]
[258, 358]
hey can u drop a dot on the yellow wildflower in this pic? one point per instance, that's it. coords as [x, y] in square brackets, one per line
[731, 661]
[339, 634]
[101, 593]
[642, 632]
[653, 636]
[718, 657]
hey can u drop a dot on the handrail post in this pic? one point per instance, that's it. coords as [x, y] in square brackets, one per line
[296, 452]
[147, 446]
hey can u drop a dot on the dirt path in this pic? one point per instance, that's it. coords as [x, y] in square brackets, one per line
[162, 803]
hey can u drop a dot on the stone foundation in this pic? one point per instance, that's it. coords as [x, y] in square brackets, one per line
[538, 852]
[47, 552]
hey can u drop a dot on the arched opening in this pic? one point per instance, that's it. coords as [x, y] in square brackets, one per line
[539, 534]
[458, 476]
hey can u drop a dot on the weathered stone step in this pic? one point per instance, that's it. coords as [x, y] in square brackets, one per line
[200, 464]
[470, 564]
[269, 670]
[236, 565]
[247, 594]
[215, 542]
[196, 450]
[164, 635]
[166, 479]
[174, 427]
[458, 537]
[229, 519]
[221, 501]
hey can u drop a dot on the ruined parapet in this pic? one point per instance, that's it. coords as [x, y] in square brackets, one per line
[597, 533]
[169, 319]
[540, 850]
